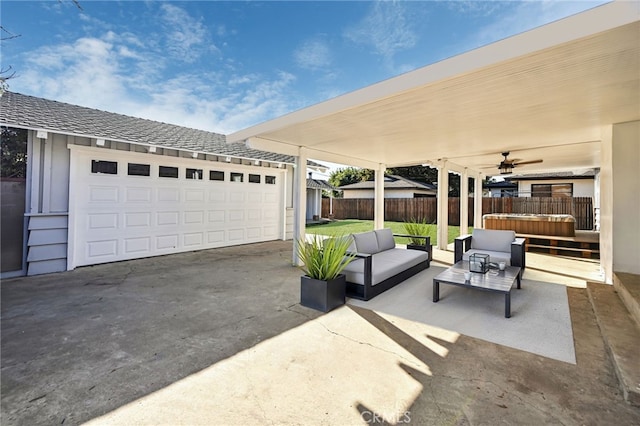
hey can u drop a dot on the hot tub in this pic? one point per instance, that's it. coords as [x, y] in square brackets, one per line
[539, 224]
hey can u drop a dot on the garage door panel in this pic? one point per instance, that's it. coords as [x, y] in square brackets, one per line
[103, 194]
[194, 217]
[102, 221]
[193, 239]
[96, 249]
[137, 194]
[191, 195]
[119, 217]
[167, 218]
[137, 219]
[168, 195]
[137, 245]
[167, 242]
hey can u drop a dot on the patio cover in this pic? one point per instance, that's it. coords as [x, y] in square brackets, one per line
[546, 93]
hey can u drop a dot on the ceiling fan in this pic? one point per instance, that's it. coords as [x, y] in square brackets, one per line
[506, 166]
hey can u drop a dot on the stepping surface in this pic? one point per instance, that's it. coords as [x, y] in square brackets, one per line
[621, 335]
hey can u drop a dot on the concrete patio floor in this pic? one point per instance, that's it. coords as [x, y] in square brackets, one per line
[218, 337]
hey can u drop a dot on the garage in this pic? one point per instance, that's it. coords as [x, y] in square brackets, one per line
[103, 187]
[127, 205]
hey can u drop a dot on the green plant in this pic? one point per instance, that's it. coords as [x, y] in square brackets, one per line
[324, 258]
[416, 227]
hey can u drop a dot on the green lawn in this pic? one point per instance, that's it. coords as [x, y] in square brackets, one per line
[351, 226]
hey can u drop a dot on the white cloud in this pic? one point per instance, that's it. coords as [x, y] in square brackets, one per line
[186, 37]
[114, 74]
[313, 55]
[387, 29]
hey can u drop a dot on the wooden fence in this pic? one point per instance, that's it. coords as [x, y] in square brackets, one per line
[404, 209]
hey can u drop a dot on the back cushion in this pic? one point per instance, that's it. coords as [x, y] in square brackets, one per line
[366, 242]
[491, 239]
[385, 239]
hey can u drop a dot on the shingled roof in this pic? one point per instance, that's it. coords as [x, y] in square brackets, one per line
[391, 182]
[29, 112]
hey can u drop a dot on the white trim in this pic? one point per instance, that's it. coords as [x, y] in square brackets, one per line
[443, 205]
[378, 195]
[464, 202]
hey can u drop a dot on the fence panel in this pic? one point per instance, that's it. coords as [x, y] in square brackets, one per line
[425, 209]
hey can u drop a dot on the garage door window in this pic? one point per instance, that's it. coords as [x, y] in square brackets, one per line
[194, 174]
[216, 175]
[270, 180]
[105, 167]
[168, 172]
[254, 178]
[237, 177]
[139, 169]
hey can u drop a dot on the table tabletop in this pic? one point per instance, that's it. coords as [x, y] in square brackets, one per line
[493, 280]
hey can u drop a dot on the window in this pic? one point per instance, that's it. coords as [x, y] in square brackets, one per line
[270, 180]
[216, 175]
[139, 169]
[194, 174]
[106, 167]
[254, 178]
[168, 172]
[237, 177]
[552, 190]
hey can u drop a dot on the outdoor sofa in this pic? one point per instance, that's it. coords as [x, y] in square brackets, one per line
[379, 265]
[500, 245]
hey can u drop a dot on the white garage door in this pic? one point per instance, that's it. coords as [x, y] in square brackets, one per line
[126, 205]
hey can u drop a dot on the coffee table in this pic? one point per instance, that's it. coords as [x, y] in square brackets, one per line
[494, 280]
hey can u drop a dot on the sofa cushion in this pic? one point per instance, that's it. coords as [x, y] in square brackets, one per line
[366, 242]
[492, 240]
[385, 239]
[384, 265]
[494, 256]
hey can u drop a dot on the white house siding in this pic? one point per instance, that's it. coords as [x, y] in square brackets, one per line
[48, 201]
[581, 187]
[388, 193]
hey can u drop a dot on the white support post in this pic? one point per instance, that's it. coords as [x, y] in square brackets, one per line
[299, 200]
[477, 207]
[443, 205]
[464, 202]
[378, 214]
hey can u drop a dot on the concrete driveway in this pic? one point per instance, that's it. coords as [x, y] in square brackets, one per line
[218, 337]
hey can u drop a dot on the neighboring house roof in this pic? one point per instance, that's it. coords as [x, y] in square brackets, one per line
[391, 182]
[319, 184]
[500, 185]
[29, 112]
[585, 174]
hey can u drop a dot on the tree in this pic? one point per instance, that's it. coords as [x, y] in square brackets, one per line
[422, 174]
[350, 175]
[14, 153]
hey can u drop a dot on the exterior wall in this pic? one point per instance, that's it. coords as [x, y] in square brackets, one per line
[581, 187]
[289, 219]
[314, 203]
[388, 193]
[48, 205]
[626, 197]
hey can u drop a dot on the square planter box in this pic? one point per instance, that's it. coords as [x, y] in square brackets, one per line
[322, 295]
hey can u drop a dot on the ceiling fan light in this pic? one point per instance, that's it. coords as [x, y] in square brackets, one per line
[505, 169]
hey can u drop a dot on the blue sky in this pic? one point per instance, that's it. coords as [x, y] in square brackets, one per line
[223, 66]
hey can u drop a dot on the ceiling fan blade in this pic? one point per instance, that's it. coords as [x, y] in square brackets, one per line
[527, 162]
